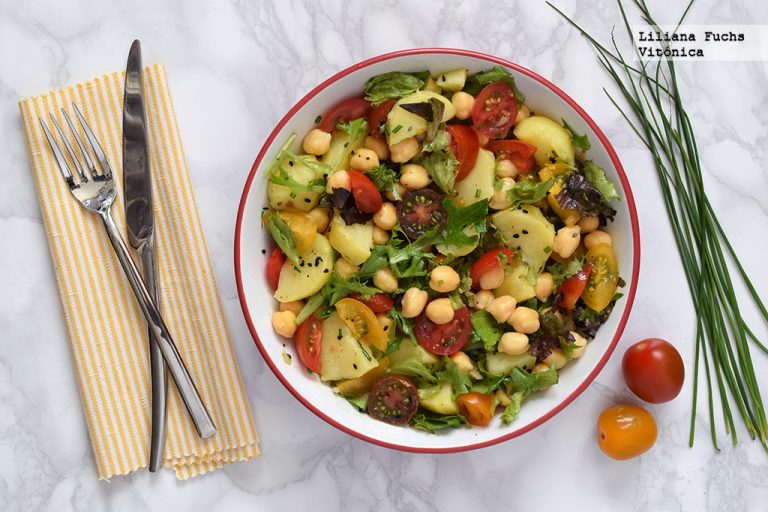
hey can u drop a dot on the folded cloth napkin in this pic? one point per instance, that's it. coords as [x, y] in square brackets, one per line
[107, 332]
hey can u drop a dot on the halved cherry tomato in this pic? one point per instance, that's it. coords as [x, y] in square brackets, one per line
[393, 399]
[625, 431]
[378, 303]
[274, 266]
[343, 112]
[572, 288]
[367, 196]
[419, 211]
[309, 337]
[362, 322]
[465, 145]
[488, 262]
[303, 228]
[495, 110]
[516, 151]
[445, 339]
[476, 408]
[604, 278]
[377, 115]
[653, 370]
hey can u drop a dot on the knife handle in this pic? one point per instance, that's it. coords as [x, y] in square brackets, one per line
[187, 390]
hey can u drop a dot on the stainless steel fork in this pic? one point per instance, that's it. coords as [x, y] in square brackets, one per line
[94, 188]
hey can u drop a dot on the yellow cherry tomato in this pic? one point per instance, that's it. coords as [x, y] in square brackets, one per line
[625, 431]
[604, 278]
[303, 228]
[362, 322]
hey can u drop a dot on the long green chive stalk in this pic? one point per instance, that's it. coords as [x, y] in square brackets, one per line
[723, 339]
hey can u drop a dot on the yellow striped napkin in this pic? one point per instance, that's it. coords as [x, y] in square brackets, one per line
[107, 332]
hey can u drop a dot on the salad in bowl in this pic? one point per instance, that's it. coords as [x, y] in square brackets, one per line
[440, 249]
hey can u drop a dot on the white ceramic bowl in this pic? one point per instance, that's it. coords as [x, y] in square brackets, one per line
[255, 296]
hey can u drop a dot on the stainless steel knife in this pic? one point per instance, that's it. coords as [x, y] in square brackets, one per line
[137, 191]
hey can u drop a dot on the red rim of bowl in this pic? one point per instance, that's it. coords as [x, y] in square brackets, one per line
[630, 205]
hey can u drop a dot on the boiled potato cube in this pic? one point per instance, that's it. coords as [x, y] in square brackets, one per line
[453, 80]
[354, 241]
[313, 271]
[516, 282]
[341, 149]
[402, 124]
[525, 230]
[441, 402]
[478, 184]
[408, 349]
[502, 364]
[342, 356]
[280, 195]
[549, 137]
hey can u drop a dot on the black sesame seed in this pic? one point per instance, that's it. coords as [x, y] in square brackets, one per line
[290, 162]
[354, 365]
[307, 200]
[525, 231]
[325, 271]
[516, 235]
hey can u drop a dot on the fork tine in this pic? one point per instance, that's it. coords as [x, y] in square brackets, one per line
[88, 162]
[94, 142]
[61, 162]
[70, 150]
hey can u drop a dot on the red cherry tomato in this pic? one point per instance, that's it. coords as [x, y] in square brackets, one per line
[653, 370]
[445, 339]
[393, 399]
[344, 112]
[367, 196]
[309, 337]
[571, 289]
[476, 408]
[377, 115]
[274, 266]
[516, 151]
[489, 261]
[495, 110]
[378, 303]
[465, 145]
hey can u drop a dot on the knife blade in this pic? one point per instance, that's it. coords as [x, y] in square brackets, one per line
[137, 193]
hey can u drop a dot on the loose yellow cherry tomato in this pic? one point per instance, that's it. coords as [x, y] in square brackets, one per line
[625, 431]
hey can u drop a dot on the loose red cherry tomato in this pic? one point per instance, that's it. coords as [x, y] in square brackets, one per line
[465, 145]
[495, 110]
[393, 399]
[377, 115]
[445, 339]
[343, 112]
[653, 370]
[570, 290]
[516, 151]
[274, 266]
[488, 262]
[378, 303]
[367, 196]
[309, 337]
[476, 408]
[625, 431]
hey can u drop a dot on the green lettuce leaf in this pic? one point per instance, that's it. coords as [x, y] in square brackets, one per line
[415, 368]
[487, 329]
[431, 421]
[527, 192]
[385, 180]
[392, 85]
[283, 237]
[458, 379]
[460, 217]
[580, 141]
[510, 412]
[475, 83]
[596, 176]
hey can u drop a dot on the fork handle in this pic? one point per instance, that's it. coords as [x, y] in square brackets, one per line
[187, 390]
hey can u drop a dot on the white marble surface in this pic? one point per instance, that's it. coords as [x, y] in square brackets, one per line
[256, 60]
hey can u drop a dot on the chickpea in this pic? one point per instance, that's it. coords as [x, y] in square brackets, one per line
[363, 159]
[580, 342]
[414, 176]
[483, 298]
[386, 217]
[463, 361]
[385, 280]
[597, 238]
[502, 307]
[404, 150]
[556, 358]
[385, 322]
[378, 146]
[567, 241]
[492, 279]
[316, 142]
[440, 311]
[294, 307]
[540, 367]
[284, 323]
[544, 285]
[513, 343]
[525, 320]
[414, 301]
[339, 179]
[380, 237]
[400, 190]
[588, 224]
[444, 279]
[506, 169]
[322, 218]
[522, 113]
[346, 268]
[500, 199]
[463, 103]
